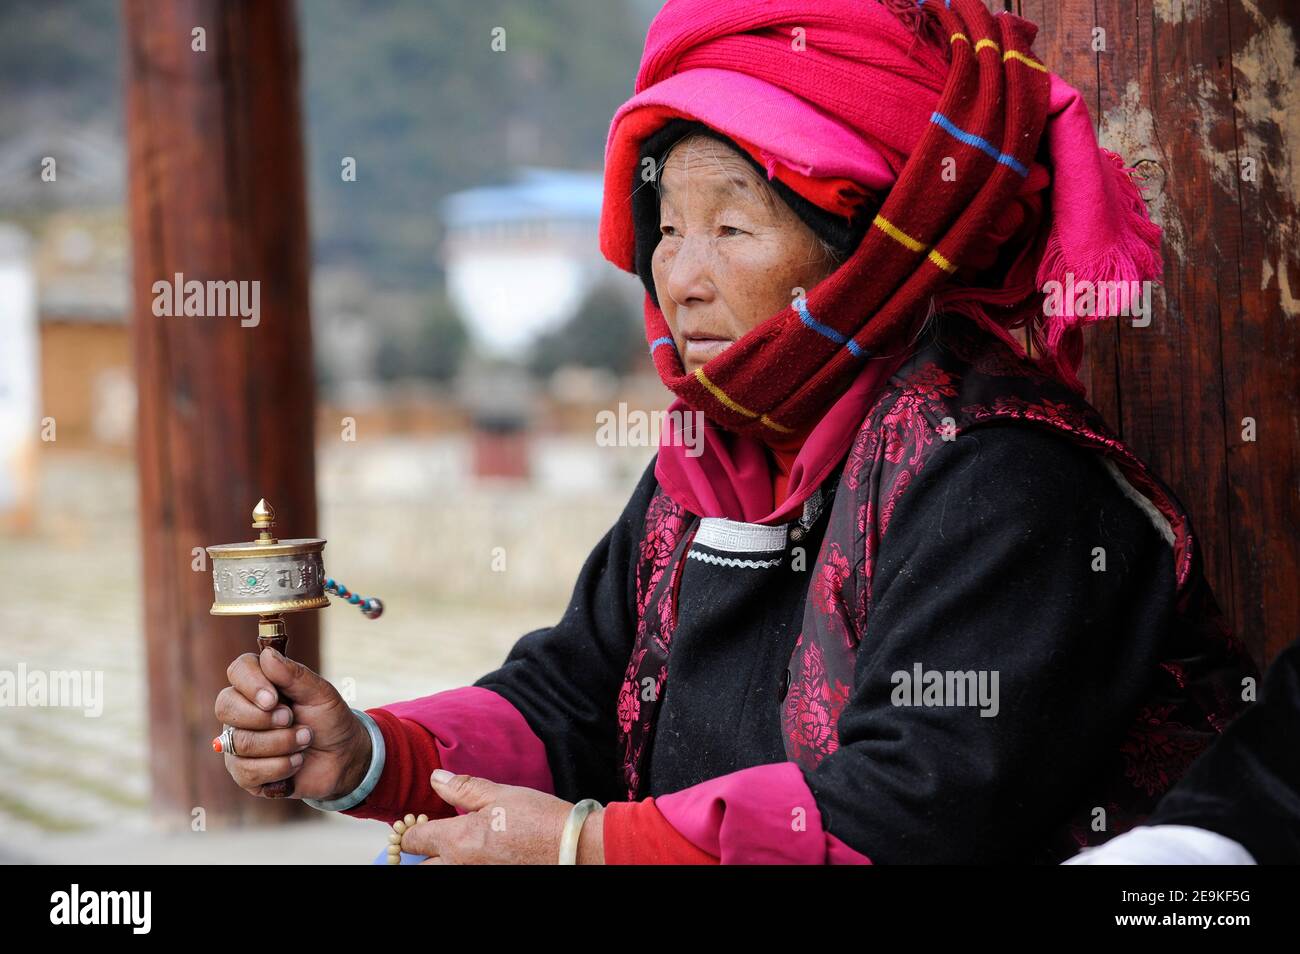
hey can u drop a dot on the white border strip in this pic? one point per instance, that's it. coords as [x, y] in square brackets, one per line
[732, 536]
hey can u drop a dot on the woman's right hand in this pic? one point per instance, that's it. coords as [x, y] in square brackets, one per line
[317, 739]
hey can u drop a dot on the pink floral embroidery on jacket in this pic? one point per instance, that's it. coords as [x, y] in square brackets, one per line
[1159, 750]
[813, 704]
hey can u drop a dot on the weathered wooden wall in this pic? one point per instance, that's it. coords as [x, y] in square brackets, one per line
[225, 411]
[1203, 95]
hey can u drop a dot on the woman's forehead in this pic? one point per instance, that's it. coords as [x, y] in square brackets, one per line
[707, 168]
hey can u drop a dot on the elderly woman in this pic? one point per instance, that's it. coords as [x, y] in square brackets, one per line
[914, 601]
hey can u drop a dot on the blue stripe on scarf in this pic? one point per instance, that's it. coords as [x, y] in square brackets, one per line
[654, 345]
[981, 144]
[801, 306]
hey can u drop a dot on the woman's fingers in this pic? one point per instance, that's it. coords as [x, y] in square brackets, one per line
[480, 836]
[432, 837]
[271, 743]
[246, 675]
[299, 683]
[252, 773]
[233, 708]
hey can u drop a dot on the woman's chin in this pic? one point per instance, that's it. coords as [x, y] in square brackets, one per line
[698, 354]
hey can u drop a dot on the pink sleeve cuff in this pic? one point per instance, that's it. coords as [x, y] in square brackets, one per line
[762, 815]
[468, 731]
[477, 732]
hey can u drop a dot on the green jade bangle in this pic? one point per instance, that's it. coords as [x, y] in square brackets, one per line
[573, 828]
[362, 791]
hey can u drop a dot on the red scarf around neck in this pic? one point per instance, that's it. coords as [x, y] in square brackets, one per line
[732, 476]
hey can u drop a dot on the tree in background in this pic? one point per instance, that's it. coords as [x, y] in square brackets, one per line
[433, 350]
[603, 333]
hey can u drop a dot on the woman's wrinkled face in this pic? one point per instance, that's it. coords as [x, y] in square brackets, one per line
[731, 254]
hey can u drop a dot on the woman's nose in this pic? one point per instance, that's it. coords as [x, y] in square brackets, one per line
[690, 273]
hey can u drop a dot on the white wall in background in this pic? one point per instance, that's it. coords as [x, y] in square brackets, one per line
[19, 370]
[509, 295]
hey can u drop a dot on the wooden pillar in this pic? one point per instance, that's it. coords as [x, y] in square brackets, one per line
[225, 404]
[1205, 97]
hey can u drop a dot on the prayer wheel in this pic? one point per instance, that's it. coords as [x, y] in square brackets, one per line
[267, 578]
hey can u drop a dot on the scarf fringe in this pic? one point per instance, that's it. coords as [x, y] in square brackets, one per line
[1132, 255]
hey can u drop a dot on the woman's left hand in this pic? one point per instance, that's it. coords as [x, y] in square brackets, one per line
[502, 825]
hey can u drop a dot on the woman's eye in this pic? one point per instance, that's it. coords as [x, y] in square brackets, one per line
[731, 230]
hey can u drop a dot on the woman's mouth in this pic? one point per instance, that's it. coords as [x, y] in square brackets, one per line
[700, 349]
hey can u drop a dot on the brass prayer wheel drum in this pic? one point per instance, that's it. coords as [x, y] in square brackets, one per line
[266, 576]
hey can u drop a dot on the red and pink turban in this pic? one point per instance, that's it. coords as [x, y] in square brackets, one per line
[990, 174]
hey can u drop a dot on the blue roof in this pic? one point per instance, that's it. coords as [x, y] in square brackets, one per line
[537, 193]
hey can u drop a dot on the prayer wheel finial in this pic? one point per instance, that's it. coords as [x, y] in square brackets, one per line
[264, 520]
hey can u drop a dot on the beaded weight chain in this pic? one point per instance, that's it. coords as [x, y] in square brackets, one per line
[369, 605]
[395, 836]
